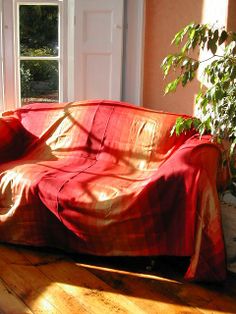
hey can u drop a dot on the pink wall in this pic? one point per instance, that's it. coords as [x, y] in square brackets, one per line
[231, 20]
[163, 19]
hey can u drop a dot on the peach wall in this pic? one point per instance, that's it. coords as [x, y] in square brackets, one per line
[231, 19]
[163, 19]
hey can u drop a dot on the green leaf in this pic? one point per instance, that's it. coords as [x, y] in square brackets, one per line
[179, 125]
[184, 79]
[201, 129]
[196, 123]
[167, 63]
[234, 50]
[212, 79]
[188, 123]
[195, 42]
[203, 42]
[178, 38]
[167, 60]
[199, 96]
[171, 87]
[182, 125]
[195, 65]
[216, 35]
[191, 75]
[218, 95]
[209, 33]
[192, 33]
[185, 63]
[211, 45]
[226, 85]
[233, 73]
[223, 37]
[166, 69]
[203, 104]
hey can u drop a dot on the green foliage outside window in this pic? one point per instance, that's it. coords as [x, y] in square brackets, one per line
[38, 38]
[39, 29]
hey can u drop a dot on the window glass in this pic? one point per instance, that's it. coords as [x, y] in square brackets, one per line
[38, 30]
[38, 53]
[39, 81]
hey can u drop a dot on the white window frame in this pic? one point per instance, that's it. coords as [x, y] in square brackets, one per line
[132, 89]
[58, 58]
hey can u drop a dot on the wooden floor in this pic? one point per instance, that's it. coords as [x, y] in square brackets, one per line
[36, 281]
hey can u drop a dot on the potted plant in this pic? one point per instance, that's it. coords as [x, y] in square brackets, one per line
[215, 101]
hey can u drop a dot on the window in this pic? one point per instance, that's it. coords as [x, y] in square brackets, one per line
[38, 63]
[70, 62]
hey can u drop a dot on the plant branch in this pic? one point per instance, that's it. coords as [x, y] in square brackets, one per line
[202, 61]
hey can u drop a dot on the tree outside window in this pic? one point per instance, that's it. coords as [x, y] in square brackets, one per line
[38, 45]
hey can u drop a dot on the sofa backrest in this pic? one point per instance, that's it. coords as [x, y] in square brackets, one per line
[117, 132]
[38, 117]
[139, 137]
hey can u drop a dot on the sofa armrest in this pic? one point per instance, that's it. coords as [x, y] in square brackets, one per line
[190, 177]
[14, 139]
[209, 156]
[195, 152]
[203, 153]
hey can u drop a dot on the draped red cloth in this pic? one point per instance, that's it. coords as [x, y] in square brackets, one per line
[106, 178]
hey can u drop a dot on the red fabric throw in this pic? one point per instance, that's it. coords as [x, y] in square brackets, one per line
[13, 138]
[106, 178]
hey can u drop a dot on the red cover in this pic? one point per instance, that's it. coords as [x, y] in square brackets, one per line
[105, 178]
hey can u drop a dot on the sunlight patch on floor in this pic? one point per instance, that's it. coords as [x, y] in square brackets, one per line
[124, 272]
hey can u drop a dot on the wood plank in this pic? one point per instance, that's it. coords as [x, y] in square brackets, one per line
[10, 254]
[151, 299]
[208, 298]
[160, 302]
[28, 256]
[38, 282]
[94, 292]
[10, 303]
[90, 295]
[163, 303]
[19, 262]
[36, 291]
[26, 294]
[40, 256]
[199, 297]
[51, 290]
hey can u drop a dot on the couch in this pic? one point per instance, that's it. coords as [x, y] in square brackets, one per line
[106, 178]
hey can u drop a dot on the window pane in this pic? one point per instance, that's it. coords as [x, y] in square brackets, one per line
[39, 81]
[38, 30]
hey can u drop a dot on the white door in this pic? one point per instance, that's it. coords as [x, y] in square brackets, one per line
[98, 49]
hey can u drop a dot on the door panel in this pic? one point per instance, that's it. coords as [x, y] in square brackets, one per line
[98, 49]
[97, 82]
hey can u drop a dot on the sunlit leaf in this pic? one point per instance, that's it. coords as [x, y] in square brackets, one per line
[171, 87]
